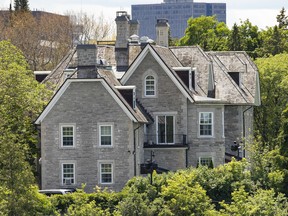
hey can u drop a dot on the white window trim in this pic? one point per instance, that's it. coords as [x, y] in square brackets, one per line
[212, 132]
[145, 85]
[112, 134]
[62, 171]
[100, 162]
[61, 135]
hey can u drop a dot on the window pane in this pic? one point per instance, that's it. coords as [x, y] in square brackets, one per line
[106, 173]
[67, 136]
[150, 85]
[170, 129]
[206, 161]
[206, 122]
[68, 173]
[106, 135]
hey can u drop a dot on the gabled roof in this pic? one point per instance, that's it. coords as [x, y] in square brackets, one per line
[134, 115]
[236, 61]
[166, 60]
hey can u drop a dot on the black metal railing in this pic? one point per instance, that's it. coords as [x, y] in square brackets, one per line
[165, 139]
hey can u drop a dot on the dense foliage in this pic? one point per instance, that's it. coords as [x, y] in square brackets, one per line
[226, 190]
[210, 34]
[21, 99]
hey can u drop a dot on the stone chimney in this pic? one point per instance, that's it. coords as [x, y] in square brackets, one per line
[87, 55]
[134, 27]
[162, 32]
[123, 30]
[121, 46]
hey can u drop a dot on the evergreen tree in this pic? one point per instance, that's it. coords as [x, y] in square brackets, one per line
[282, 19]
[21, 5]
[234, 39]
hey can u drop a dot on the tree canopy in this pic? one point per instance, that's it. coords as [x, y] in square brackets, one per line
[21, 100]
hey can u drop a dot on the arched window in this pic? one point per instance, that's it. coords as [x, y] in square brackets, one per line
[150, 86]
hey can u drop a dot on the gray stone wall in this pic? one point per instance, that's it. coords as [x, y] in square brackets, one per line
[234, 127]
[168, 101]
[205, 146]
[86, 104]
[171, 159]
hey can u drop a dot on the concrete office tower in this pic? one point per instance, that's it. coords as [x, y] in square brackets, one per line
[177, 12]
[162, 32]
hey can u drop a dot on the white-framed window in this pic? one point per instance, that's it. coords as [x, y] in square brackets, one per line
[67, 135]
[106, 135]
[165, 129]
[106, 172]
[150, 86]
[68, 173]
[206, 161]
[206, 124]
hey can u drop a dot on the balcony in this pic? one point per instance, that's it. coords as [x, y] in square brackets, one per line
[165, 141]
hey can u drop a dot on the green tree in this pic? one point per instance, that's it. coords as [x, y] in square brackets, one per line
[21, 5]
[234, 39]
[249, 38]
[282, 19]
[21, 100]
[206, 32]
[274, 41]
[259, 203]
[273, 72]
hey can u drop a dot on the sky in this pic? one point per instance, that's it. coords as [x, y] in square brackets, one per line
[260, 12]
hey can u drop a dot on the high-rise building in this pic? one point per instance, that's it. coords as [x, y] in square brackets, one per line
[177, 12]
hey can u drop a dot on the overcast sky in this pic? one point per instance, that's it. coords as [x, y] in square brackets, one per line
[260, 12]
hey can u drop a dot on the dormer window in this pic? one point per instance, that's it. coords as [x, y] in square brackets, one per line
[150, 86]
[187, 75]
[129, 94]
[235, 76]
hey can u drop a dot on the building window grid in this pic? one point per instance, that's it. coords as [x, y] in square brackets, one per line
[67, 133]
[106, 173]
[205, 161]
[206, 124]
[150, 86]
[106, 135]
[68, 172]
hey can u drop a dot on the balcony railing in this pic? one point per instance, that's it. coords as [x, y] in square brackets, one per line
[169, 140]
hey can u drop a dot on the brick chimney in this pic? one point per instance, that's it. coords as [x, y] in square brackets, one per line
[87, 54]
[162, 32]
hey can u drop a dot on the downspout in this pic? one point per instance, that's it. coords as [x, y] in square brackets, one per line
[244, 130]
[134, 150]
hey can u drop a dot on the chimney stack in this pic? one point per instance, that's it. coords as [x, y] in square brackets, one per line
[87, 55]
[162, 32]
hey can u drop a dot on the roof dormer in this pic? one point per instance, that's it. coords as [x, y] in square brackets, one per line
[129, 94]
[187, 75]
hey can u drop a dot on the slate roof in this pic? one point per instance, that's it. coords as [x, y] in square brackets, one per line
[212, 70]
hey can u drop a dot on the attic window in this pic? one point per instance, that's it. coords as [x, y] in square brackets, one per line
[235, 76]
[129, 94]
[187, 75]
